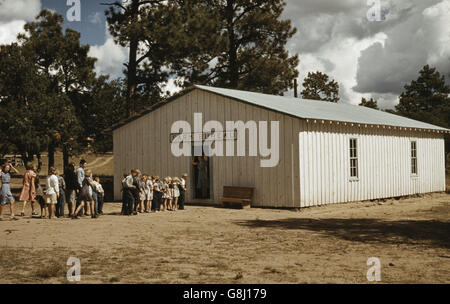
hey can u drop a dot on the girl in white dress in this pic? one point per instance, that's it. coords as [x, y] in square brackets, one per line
[176, 192]
[148, 193]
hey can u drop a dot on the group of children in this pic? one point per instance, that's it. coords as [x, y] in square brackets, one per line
[84, 194]
[145, 193]
[58, 190]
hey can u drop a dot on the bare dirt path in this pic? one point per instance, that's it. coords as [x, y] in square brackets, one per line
[329, 244]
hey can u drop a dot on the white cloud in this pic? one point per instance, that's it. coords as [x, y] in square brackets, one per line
[95, 18]
[111, 57]
[370, 59]
[13, 16]
[423, 38]
[9, 31]
[19, 10]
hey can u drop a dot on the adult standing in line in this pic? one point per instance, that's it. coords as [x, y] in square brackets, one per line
[28, 193]
[6, 196]
[59, 211]
[182, 188]
[70, 178]
[80, 178]
[128, 188]
[136, 190]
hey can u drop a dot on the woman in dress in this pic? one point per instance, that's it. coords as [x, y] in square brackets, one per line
[28, 193]
[85, 196]
[6, 196]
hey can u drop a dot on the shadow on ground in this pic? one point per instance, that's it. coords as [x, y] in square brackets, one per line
[414, 232]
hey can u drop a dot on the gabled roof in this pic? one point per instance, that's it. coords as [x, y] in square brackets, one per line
[322, 110]
[305, 109]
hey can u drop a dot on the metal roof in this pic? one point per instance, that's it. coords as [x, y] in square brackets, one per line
[322, 110]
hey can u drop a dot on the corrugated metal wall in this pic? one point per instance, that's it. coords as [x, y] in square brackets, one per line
[298, 178]
[384, 163]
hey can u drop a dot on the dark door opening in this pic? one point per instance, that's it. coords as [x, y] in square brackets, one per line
[201, 177]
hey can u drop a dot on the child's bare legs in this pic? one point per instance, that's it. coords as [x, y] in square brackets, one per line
[80, 207]
[23, 208]
[165, 204]
[11, 209]
[1, 212]
[32, 208]
[86, 209]
[50, 211]
[141, 203]
[92, 208]
[175, 203]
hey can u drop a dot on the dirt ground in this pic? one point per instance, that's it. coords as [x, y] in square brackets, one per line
[329, 244]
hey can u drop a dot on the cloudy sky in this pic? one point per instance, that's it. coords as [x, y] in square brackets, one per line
[371, 48]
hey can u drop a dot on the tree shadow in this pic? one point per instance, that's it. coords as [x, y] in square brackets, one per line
[413, 232]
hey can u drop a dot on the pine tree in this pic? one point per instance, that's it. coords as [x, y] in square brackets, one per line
[242, 46]
[137, 24]
[66, 64]
[372, 103]
[318, 86]
[427, 99]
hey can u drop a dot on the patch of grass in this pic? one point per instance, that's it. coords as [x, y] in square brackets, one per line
[114, 280]
[218, 265]
[184, 275]
[51, 270]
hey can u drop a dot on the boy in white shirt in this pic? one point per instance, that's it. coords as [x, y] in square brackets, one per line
[100, 194]
[52, 192]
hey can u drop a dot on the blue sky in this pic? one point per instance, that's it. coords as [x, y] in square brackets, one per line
[92, 24]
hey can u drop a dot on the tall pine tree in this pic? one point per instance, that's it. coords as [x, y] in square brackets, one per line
[318, 86]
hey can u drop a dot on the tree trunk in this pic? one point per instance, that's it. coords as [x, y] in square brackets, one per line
[38, 156]
[65, 157]
[132, 68]
[233, 77]
[51, 155]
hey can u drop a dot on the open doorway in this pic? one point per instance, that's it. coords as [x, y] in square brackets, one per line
[201, 177]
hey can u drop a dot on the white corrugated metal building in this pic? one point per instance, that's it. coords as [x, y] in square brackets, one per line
[329, 153]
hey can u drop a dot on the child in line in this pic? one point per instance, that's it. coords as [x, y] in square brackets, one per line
[52, 191]
[176, 192]
[148, 192]
[85, 196]
[100, 194]
[40, 196]
[142, 195]
[28, 193]
[6, 196]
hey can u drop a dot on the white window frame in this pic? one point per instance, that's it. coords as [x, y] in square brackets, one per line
[353, 156]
